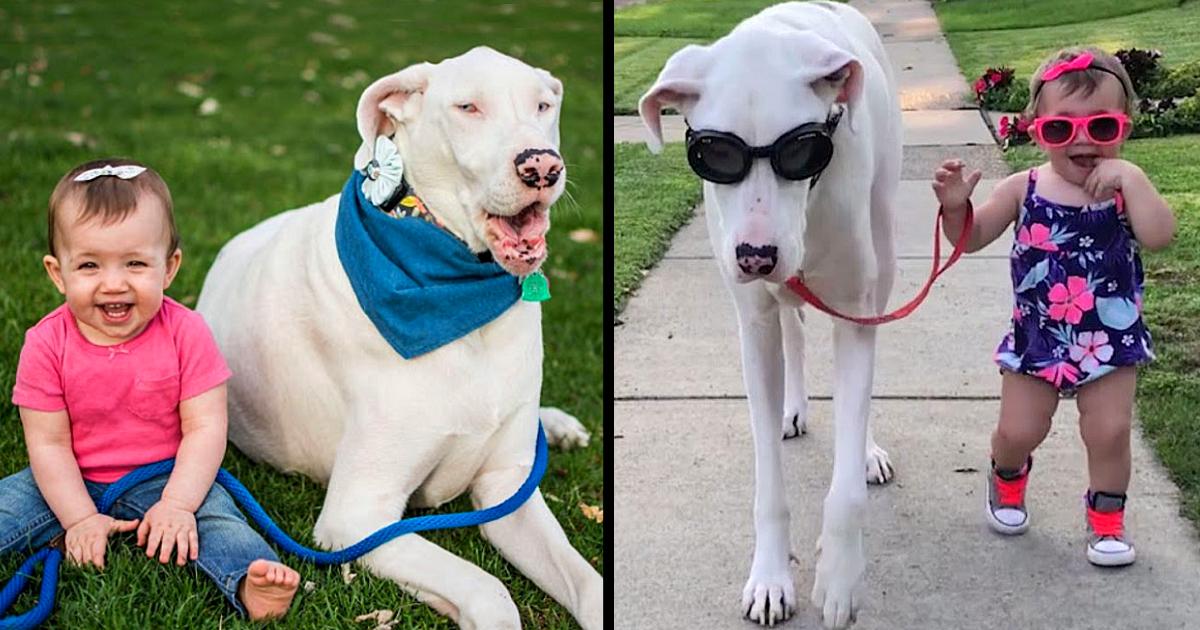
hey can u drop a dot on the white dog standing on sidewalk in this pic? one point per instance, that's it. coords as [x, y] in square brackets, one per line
[317, 388]
[819, 208]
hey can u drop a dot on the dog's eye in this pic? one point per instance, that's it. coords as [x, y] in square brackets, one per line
[837, 75]
[468, 108]
[543, 106]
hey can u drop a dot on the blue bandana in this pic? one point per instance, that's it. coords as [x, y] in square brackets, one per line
[420, 285]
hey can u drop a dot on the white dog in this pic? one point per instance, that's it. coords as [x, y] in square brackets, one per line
[788, 66]
[317, 389]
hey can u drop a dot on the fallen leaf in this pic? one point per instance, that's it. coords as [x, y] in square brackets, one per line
[187, 88]
[79, 139]
[342, 20]
[312, 96]
[278, 150]
[592, 512]
[318, 37]
[551, 497]
[209, 106]
[583, 235]
[378, 616]
[563, 274]
[347, 576]
[309, 73]
[309, 586]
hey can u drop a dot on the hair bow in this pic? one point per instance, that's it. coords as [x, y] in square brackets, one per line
[1082, 62]
[128, 171]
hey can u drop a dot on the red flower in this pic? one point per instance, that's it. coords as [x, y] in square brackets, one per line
[994, 77]
[1004, 129]
[1022, 125]
[980, 86]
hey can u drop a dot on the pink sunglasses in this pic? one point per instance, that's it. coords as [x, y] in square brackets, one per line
[1100, 129]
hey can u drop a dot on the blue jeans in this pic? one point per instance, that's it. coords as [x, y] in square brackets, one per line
[227, 542]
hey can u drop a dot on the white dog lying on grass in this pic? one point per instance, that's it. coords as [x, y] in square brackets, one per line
[319, 390]
[770, 89]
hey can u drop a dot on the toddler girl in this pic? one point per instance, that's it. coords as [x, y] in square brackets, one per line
[120, 376]
[1079, 221]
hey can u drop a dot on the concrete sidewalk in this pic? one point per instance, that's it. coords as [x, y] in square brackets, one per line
[684, 456]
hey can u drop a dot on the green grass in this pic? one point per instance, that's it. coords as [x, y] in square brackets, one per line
[653, 197]
[637, 62]
[1173, 31]
[987, 15]
[287, 77]
[648, 34]
[706, 19]
[1169, 389]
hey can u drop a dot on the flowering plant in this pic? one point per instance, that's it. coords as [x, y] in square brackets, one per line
[993, 79]
[1014, 131]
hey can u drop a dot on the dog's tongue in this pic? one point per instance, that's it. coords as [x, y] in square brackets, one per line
[519, 242]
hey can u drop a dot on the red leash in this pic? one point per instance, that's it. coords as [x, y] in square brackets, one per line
[797, 285]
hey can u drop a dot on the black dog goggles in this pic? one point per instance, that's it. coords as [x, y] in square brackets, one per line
[802, 153]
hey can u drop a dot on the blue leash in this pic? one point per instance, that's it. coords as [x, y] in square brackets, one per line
[52, 557]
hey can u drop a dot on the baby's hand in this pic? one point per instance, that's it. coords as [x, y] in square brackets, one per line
[168, 526]
[87, 540]
[1108, 177]
[952, 191]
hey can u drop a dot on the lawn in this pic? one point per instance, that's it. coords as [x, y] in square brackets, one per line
[1171, 30]
[86, 80]
[971, 15]
[653, 196]
[1169, 389]
[648, 34]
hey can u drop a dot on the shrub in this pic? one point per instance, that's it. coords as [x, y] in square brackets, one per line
[1177, 82]
[1142, 66]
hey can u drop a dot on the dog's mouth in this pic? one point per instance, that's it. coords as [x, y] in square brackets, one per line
[518, 241]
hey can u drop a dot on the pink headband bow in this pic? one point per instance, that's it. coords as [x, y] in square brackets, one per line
[1082, 62]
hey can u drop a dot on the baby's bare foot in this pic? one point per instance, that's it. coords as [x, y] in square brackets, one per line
[267, 589]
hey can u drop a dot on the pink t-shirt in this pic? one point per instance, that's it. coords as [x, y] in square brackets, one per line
[123, 400]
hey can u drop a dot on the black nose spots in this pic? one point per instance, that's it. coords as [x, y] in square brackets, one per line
[757, 261]
[538, 168]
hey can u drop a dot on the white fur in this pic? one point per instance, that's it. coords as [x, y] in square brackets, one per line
[317, 390]
[774, 71]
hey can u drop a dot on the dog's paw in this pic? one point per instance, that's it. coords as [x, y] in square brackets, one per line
[795, 424]
[563, 430]
[769, 598]
[879, 465]
[837, 589]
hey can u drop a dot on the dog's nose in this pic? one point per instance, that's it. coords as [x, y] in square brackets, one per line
[538, 168]
[757, 261]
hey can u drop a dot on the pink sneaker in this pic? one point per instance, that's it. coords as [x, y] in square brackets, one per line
[1107, 545]
[1006, 512]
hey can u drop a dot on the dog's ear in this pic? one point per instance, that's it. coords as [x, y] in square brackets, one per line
[678, 86]
[554, 84]
[845, 75]
[388, 101]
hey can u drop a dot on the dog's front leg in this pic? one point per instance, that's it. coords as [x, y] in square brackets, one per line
[837, 589]
[795, 399]
[770, 593]
[369, 488]
[531, 538]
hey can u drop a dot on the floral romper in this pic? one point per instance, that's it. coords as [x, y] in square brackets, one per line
[1077, 289]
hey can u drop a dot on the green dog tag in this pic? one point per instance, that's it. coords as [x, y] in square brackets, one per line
[535, 287]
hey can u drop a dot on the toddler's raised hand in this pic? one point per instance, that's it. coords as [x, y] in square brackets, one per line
[87, 540]
[168, 526]
[953, 192]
